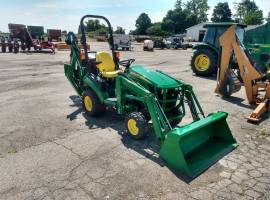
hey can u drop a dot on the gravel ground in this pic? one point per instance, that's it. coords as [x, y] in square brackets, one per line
[50, 150]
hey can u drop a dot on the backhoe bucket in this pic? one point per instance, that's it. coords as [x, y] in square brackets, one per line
[193, 148]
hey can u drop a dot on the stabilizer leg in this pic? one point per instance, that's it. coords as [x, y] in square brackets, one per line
[261, 109]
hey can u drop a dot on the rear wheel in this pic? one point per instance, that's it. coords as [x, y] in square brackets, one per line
[91, 104]
[137, 125]
[230, 85]
[204, 62]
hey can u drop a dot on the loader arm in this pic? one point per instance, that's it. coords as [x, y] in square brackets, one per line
[160, 121]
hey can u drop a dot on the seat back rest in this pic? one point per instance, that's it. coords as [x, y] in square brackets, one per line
[107, 64]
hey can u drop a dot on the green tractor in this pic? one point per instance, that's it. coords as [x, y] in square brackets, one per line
[257, 41]
[150, 100]
[204, 61]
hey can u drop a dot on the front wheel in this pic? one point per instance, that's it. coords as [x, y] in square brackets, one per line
[204, 62]
[137, 125]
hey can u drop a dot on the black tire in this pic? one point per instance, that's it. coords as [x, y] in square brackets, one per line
[141, 125]
[97, 108]
[230, 85]
[212, 67]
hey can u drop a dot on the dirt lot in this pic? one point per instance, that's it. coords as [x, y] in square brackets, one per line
[50, 150]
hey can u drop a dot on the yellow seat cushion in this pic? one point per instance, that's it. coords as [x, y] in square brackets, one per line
[107, 66]
[111, 74]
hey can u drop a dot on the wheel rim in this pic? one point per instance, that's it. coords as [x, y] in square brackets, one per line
[88, 103]
[132, 127]
[202, 62]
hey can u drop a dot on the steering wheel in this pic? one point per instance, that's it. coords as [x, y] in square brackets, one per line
[126, 63]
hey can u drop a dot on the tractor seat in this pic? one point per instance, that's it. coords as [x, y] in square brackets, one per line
[107, 66]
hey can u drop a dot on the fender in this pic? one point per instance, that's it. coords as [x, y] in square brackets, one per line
[206, 46]
[91, 83]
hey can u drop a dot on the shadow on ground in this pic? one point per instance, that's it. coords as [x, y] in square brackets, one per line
[147, 147]
[238, 101]
[212, 77]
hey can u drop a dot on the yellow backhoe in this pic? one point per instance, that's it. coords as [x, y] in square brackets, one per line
[229, 78]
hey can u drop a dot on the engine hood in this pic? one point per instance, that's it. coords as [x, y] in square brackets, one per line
[156, 78]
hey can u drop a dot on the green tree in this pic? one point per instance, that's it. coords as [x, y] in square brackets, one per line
[133, 32]
[93, 25]
[156, 30]
[119, 30]
[222, 13]
[178, 19]
[102, 31]
[142, 24]
[254, 18]
[178, 4]
[198, 8]
[268, 17]
[248, 12]
[168, 24]
[175, 21]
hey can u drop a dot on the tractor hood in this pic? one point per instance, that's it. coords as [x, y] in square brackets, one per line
[156, 78]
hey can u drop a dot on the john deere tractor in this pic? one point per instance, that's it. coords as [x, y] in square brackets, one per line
[150, 100]
[204, 61]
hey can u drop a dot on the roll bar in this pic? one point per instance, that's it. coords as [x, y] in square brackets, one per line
[83, 39]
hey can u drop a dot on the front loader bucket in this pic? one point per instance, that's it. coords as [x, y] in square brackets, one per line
[193, 148]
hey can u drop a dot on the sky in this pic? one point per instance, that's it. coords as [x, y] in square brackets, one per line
[66, 14]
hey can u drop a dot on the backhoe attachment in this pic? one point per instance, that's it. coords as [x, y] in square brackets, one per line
[254, 82]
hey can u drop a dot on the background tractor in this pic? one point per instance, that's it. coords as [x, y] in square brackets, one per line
[204, 61]
[257, 41]
[177, 42]
[149, 99]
